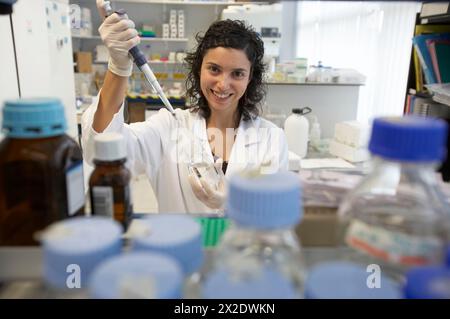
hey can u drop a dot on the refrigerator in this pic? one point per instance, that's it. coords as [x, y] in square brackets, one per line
[36, 57]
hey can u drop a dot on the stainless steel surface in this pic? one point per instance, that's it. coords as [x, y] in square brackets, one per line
[21, 272]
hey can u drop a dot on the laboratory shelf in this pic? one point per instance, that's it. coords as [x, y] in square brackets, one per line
[192, 2]
[143, 39]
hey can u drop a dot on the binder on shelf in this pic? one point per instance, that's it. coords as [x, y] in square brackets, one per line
[424, 30]
[442, 57]
[420, 45]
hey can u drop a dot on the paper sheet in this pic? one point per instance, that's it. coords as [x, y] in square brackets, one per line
[311, 163]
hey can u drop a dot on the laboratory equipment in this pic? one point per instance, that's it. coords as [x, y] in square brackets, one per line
[141, 62]
[137, 275]
[346, 280]
[41, 172]
[178, 236]
[110, 181]
[432, 282]
[259, 255]
[314, 134]
[296, 128]
[73, 248]
[397, 217]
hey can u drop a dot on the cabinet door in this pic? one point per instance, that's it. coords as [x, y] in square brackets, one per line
[8, 76]
[62, 79]
[44, 53]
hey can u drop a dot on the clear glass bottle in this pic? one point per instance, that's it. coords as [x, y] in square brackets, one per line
[259, 256]
[110, 181]
[41, 171]
[397, 217]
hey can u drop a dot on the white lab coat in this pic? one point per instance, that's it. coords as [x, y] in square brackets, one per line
[162, 146]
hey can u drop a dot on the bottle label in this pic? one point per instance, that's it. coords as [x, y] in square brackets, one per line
[75, 188]
[103, 201]
[391, 246]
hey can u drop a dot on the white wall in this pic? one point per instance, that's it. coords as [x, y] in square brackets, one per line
[330, 103]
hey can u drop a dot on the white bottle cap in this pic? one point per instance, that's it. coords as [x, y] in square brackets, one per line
[109, 147]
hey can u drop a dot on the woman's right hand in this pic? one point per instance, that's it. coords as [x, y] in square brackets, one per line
[119, 35]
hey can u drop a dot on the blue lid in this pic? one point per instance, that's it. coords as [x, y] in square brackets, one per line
[179, 236]
[264, 283]
[346, 280]
[265, 201]
[428, 283]
[81, 242]
[447, 257]
[33, 118]
[137, 275]
[409, 138]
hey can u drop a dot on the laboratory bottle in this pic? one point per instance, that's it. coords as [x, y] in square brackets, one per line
[72, 249]
[397, 217]
[296, 128]
[259, 255]
[109, 183]
[178, 236]
[137, 275]
[314, 134]
[428, 282]
[347, 280]
[41, 171]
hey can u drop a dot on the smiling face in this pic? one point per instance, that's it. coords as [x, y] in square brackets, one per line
[224, 76]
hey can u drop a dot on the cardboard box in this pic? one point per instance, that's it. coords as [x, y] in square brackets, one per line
[83, 62]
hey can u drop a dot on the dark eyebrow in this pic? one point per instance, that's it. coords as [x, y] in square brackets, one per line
[218, 66]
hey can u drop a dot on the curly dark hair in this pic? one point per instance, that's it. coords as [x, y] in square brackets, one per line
[233, 34]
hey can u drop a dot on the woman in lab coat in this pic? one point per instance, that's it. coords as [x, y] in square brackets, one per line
[222, 128]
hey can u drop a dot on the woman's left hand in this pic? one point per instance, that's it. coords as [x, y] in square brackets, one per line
[206, 193]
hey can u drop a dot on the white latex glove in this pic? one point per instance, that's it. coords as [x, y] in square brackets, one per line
[207, 193]
[119, 35]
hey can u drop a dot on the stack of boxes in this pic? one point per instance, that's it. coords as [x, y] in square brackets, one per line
[181, 23]
[350, 141]
[165, 30]
[173, 23]
[175, 27]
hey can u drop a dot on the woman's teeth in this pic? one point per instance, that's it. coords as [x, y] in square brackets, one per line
[221, 96]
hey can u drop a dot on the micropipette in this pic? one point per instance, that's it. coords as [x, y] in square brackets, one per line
[141, 62]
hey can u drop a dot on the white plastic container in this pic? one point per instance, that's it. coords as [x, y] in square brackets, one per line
[296, 128]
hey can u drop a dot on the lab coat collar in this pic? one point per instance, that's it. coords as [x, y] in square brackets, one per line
[247, 130]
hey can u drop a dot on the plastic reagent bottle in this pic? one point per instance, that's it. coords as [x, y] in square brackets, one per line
[296, 128]
[259, 256]
[397, 217]
[178, 236]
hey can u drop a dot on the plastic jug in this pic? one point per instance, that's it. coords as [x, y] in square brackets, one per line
[296, 128]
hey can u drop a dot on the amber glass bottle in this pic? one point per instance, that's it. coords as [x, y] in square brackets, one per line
[41, 171]
[110, 181]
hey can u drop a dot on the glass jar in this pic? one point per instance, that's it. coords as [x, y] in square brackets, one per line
[41, 172]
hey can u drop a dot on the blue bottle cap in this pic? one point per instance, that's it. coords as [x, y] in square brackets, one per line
[264, 283]
[447, 257]
[345, 280]
[428, 283]
[265, 201]
[409, 138]
[140, 275]
[78, 243]
[179, 236]
[33, 118]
